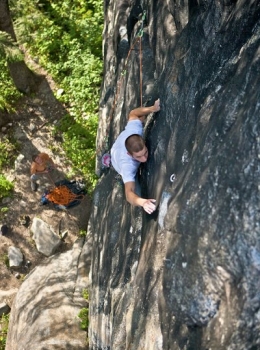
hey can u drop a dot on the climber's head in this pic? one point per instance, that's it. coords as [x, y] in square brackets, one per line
[37, 159]
[136, 148]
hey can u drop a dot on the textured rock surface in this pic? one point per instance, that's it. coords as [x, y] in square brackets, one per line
[15, 256]
[186, 277]
[7, 296]
[44, 312]
[45, 239]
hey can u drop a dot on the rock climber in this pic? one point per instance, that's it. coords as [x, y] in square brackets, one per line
[41, 164]
[129, 150]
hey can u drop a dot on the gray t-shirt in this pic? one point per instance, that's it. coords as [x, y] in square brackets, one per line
[123, 163]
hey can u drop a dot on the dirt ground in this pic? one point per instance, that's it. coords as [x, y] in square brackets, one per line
[32, 125]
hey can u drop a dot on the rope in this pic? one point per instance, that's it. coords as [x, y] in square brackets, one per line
[50, 178]
[123, 73]
[141, 82]
[141, 32]
[62, 195]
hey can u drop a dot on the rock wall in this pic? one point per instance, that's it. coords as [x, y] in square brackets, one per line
[187, 276]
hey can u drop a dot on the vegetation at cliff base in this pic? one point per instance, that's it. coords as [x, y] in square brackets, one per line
[4, 320]
[83, 314]
[65, 38]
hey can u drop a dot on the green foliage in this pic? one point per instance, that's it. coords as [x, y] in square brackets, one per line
[79, 137]
[8, 152]
[83, 315]
[10, 48]
[82, 233]
[62, 33]
[3, 212]
[81, 78]
[8, 93]
[6, 187]
[66, 37]
[4, 258]
[4, 320]
[85, 294]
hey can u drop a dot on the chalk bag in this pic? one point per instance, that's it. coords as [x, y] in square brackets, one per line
[105, 160]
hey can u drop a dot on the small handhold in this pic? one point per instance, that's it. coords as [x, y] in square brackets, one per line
[27, 264]
[172, 177]
[64, 234]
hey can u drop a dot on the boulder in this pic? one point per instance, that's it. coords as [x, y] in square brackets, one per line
[15, 256]
[45, 311]
[46, 240]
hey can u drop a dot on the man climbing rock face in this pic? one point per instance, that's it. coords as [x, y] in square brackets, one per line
[129, 151]
[41, 164]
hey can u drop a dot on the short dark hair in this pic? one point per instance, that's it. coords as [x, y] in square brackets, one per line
[134, 143]
[34, 157]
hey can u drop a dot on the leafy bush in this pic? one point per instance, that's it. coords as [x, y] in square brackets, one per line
[79, 143]
[3, 213]
[8, 93]
[6, 187]
[4, 320]
[5, 260]
[85, 294]
[83, 315]
[10, 48]
[8, 152]
[83, 233]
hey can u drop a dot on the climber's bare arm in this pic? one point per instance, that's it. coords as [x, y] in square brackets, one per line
[147, 204]
[142, 112]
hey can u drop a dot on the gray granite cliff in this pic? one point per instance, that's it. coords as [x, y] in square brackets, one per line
[187, 276]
